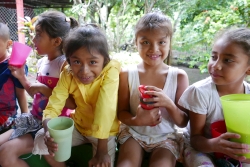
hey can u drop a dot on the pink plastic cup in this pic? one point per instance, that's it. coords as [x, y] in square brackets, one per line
[19, 54]
[218, 128]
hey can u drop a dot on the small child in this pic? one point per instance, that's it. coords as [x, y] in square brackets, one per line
[51, 29]
[151, 130]
[228, 66]
[92, 79]
[10, 87]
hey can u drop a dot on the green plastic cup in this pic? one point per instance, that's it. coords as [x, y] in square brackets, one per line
[236, 110]
[61, 129]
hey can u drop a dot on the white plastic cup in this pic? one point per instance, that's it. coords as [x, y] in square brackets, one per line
[19, 54]
[61, 129]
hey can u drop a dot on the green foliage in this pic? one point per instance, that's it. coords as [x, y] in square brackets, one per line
[121, 22]
[195, 22]
[204, 19]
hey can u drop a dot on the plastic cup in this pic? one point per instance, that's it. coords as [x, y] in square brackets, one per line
[236, 109]
[61, 129]
[143, 104]
[19, 54]
[218, 128]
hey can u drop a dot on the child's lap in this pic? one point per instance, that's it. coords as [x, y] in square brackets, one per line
[174, 145]
[26, 123]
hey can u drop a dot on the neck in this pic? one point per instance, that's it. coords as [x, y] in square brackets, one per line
[54, 55]
[230, 89]
[156, 68]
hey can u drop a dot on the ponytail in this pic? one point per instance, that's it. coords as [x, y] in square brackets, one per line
[73, 23]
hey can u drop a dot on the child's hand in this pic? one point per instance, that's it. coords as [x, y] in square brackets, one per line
[17, 72]
[52, 146]
[102, 160]
[148, 117]
[36, 87]
[223, 145]
[160, 99]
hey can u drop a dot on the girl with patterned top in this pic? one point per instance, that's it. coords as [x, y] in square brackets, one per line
[51, 29]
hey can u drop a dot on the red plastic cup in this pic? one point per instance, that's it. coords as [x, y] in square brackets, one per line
[218, 128]
[19, 54]
[143, 104]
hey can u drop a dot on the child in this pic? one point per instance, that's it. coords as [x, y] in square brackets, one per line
[10, 88]
[151, 130]
[51, 29]
[228, 66]
[92, 78]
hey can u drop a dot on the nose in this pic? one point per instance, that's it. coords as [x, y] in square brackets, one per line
[33, 39]
[217, 65]
[154, 47]
[85, 69]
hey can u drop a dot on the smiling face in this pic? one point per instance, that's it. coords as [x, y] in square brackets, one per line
[153, 45]
[228, 64]
[86, 66]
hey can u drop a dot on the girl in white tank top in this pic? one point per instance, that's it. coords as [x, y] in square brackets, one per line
[151, 130]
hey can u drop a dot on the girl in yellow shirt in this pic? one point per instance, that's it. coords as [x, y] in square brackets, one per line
[92, 79]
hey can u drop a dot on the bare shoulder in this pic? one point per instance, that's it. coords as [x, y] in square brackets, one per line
[123, 73]
[182, 75]
[181, 72]
[182, 78]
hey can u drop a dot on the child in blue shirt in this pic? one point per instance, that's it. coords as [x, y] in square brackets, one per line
[11, 89]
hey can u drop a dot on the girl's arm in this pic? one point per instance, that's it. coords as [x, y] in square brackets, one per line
[178, 114]
[218, 144]
[19, 73]
[22, 100]
[37, 87]
[142, 117]
[101, 157]
[70, 102]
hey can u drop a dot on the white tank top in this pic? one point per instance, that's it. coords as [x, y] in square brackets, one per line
[158, 132]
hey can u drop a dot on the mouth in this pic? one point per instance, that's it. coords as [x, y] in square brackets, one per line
[86, 79]
[153, 56]
[215, 75]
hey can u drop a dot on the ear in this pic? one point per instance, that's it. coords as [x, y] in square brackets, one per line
[57, 41]
[248, 71]
[9, 43]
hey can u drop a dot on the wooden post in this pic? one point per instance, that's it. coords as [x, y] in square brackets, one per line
[20, 14]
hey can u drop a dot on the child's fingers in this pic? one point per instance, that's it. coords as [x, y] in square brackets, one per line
[229, 135]
[246, 161]
[12, 68]
[231, 144]
[237, 157]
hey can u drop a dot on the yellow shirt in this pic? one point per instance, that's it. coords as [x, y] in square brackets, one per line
[95, 114]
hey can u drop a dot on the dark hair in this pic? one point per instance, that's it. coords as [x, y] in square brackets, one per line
[239, 36]
[89, 36]
[4, 32]
[155, 20]
[55, 24]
